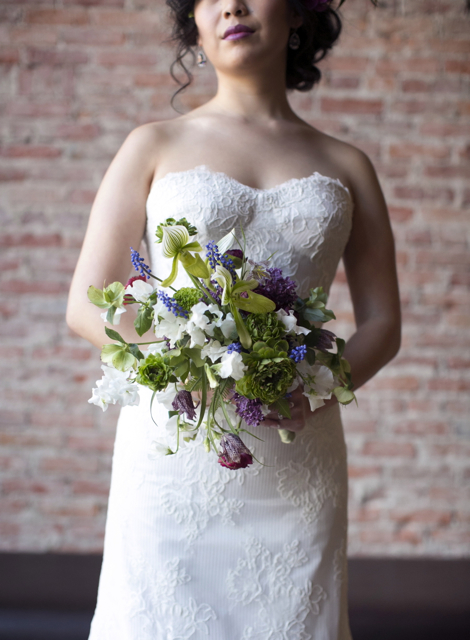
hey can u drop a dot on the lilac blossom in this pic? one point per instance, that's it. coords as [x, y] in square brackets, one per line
[249, 410]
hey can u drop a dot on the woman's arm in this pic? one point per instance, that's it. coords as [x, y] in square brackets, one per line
[370, 265]
[117, 222]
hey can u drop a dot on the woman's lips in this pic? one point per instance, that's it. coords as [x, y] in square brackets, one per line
[236, 36]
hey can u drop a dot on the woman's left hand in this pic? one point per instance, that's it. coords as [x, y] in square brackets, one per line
[299, 410]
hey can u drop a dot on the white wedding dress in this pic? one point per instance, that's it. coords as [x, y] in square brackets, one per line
[195, 550]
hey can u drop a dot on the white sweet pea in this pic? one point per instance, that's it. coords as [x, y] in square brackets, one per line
[231, 366]
[158, 449]
[290, 322]
[113, 387]
[213, 350]
[321, 383]
[117, 315]
[227, 326]
[199, 319]
[155, 347]
[140, 290]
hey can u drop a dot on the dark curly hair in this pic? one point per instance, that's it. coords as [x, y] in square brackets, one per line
[318, 33]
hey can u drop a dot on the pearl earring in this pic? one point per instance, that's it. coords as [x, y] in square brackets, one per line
[294, 41]
[201, 58]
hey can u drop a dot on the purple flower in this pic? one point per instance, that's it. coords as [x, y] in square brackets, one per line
[139, 264]
[236, 253]
[172, 305]
[280, 290]
[298, 353]
[183, 403]
[325, 340]
[233, 453]
[249, 410]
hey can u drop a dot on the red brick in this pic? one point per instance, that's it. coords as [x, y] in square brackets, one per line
[458, 66]
[127, 58]
[351, 105]
[9, 55]
[447, 172]
[57, 16]
[54, 57]
[92, 36]
[30, 151]
[411, 149]
[31, 240]
[388, 449]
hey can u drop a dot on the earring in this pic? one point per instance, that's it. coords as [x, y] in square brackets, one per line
[294, 41]
[201, 58]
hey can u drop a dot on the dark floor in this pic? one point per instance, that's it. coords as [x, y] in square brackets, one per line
[47, 625]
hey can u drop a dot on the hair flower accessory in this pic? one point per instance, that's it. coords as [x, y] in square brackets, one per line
[317, 5]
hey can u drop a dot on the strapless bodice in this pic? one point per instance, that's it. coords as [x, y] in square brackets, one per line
[304, 222]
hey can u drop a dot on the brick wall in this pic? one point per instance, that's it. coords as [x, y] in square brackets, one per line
[75, 77]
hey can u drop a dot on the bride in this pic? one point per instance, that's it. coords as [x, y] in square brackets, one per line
[192, 549]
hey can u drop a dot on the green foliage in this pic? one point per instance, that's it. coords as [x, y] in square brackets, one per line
[312, 309]
[270, 373]
[111, 296]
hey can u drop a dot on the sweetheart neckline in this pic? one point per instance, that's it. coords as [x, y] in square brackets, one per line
[205, 169]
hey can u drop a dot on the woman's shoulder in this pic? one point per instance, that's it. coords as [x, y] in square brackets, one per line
[352, 165]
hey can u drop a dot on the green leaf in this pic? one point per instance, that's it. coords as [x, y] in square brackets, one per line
[282, 406]
[195, 355]
[123, 360]
[114, 335]
[255, 303]
[114, 294]
[345, 396]
[110, 315]
[96, 297]
[143, 322]
[311, 356]
[340, 343]
[109, 351]
[243, 334]
[136, 352]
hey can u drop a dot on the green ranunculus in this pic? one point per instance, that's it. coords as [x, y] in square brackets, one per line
[155, 372]
[187, 297]
[262, 326]
[268, 379]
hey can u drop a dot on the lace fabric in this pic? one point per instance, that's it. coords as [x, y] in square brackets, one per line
[194, 550]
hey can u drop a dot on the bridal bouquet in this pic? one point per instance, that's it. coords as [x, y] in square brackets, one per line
[240, 331]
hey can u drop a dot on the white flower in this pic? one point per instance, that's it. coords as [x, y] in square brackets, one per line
[158, 449]
[113, 387]
[231, 366]
[166, 397]
[290, 322]
[227, 326]
[199, 319]
[213, 350]
[155, 347]
[320, 385]
[117, 315]
[140, 290]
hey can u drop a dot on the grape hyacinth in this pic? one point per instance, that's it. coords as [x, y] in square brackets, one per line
[172, 305]
[298, 353]
[234, 346]
[249, 410]
[281, 290]
[215, 258]
[139, 264]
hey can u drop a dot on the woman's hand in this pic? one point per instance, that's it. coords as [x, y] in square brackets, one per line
[299, 410]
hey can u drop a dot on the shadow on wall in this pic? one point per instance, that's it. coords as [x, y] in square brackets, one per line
[52, 597]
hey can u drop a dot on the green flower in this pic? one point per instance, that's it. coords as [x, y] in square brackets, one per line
[155, 373]
[187, 297]
[171, 222]
[262, 326]
[270, 372]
